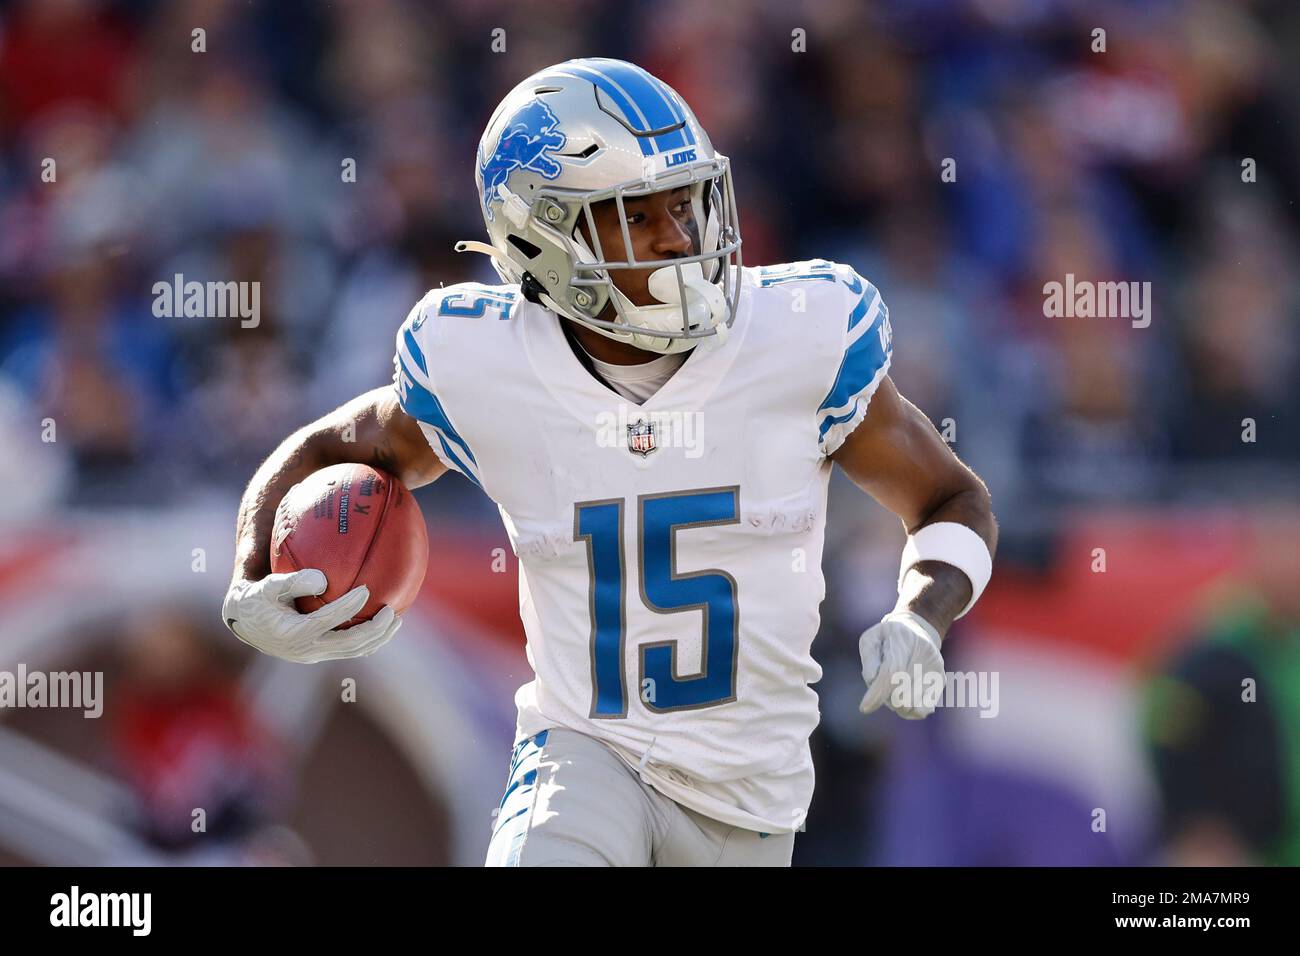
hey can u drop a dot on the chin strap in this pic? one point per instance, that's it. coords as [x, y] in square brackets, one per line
[532, 290]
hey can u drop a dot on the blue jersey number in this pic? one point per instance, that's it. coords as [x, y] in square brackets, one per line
[477, 307]
[600, 525]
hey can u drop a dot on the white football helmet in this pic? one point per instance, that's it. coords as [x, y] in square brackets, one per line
[588, 130]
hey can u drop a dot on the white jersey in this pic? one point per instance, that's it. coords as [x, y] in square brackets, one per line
[669, 551]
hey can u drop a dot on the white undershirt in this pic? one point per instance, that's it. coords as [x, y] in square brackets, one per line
[638, 382]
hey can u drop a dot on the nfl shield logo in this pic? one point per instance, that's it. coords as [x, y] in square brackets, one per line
[641, 438]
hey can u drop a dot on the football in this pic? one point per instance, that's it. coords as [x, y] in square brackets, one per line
[358, 525]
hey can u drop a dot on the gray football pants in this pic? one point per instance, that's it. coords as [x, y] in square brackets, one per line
[571, 801]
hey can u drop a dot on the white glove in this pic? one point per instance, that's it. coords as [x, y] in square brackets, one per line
[900, 642]
[262, 615]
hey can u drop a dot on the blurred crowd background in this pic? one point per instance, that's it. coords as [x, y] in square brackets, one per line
[1122, 686]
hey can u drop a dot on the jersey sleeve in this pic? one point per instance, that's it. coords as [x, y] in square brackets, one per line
[867, 349]
[418, 395]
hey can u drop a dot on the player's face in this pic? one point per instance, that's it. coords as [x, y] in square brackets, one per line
[661, 226]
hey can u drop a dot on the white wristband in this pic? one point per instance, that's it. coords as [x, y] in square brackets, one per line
[955, 544]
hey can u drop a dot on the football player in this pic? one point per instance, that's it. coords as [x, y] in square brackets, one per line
[657, 424]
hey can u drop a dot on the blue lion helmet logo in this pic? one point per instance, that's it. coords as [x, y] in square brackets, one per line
[531, 134]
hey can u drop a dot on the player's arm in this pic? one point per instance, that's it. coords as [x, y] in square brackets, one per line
[897, 457]
[371, 429]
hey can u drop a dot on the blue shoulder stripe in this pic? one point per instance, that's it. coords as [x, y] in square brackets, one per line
[417, 356]
[455, 459]
[864, 304]
[422, 405]
[862, 360]
[831, 420]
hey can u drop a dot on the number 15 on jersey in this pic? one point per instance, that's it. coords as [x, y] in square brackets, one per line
[599, 524]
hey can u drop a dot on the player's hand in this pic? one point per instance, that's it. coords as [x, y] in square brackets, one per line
[262, 615]
[900, 642]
